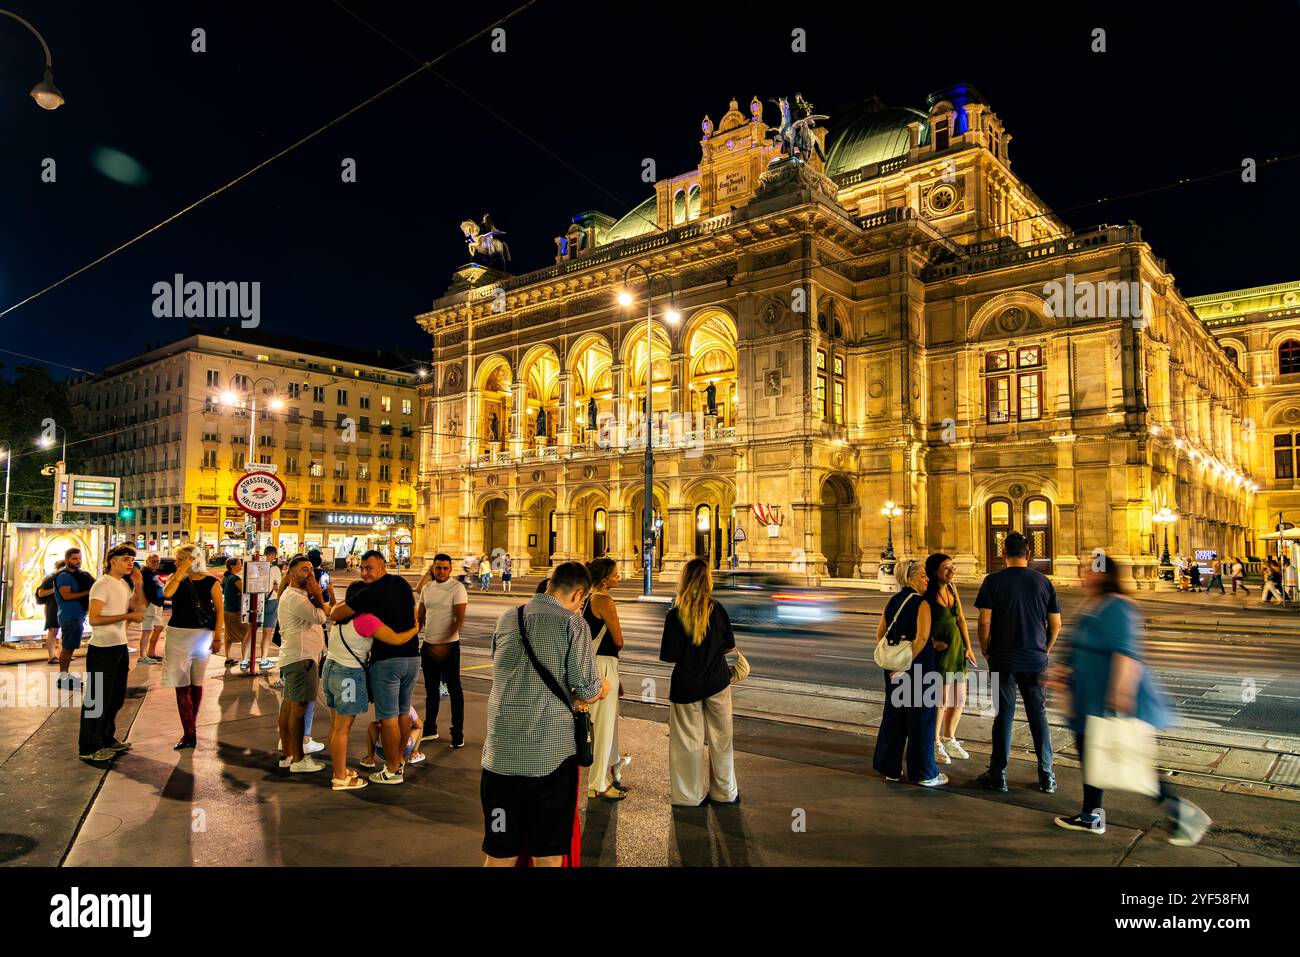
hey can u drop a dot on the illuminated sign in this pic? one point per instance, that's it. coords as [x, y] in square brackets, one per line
[357, 519]
[92, 493]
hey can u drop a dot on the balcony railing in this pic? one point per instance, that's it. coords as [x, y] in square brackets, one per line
[663, 439]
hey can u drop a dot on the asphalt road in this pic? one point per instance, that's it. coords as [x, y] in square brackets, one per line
[1232, 667]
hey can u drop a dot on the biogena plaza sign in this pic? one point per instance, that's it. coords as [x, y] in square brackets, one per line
[259, 493]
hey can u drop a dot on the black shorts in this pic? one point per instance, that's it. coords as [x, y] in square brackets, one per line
[533, 816]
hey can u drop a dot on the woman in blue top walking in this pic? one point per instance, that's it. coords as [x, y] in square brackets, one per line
[1105, 673]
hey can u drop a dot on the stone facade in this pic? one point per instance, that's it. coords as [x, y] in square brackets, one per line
[903, 322]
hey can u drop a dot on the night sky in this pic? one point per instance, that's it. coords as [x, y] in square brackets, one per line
[565, 116]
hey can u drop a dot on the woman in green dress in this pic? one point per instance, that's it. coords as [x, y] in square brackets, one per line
[953, 657]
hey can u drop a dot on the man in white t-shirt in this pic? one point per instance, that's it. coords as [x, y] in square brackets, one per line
[302, 614]
[443, 603]
[115, 599]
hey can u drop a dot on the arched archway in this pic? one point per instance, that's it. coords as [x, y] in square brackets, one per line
[1037, 516]
[839, 526]
[496, 404]
[539, 528]
[711, 367]
[540, 371]
[999, 517]
[494, 526]
[712, 522]
[636, 365]
[592, 532]
[590, 364]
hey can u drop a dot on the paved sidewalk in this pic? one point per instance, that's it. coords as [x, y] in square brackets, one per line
[809, 798]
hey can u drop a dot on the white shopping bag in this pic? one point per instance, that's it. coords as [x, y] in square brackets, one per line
[1120, 755]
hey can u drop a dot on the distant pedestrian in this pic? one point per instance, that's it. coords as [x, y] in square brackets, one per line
[1289, 578]
[1239, 577]
[270, 606]
[604, 777]
[542, 671]
[45, 598]
[1106, 674]
[152, 627]
[194, 633]
[954, 653]
[908, 720]
[507, 571]
[1216, 575]
[443, 604]
[1272, 582]
[72, 593]
[232, 605]
[696, 638]
[1194, 572]
[115, 599]
[1019, 622]
[484, 574]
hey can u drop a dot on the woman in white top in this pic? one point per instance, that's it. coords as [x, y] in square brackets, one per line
[604, 778]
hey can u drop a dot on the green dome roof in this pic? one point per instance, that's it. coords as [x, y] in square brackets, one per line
[868, 136]
[641, 220]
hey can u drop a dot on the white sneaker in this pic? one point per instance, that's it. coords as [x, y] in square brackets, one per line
[279, 744]
[934, 782]
[306, 765]
[954, 748]
[940, 755]
[312, 746]
[286, 762]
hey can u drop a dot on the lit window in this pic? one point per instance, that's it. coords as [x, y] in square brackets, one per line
[386, 403]
[1029, 356]
[821, 359]
[1285, 449]
[1031, 387]
[821, 396]
[997, 361]
[1288, 357]
[999, 405]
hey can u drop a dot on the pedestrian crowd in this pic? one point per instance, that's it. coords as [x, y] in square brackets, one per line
[553, 706]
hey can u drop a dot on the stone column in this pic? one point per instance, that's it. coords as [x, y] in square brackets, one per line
[519, 393]
[564, 428]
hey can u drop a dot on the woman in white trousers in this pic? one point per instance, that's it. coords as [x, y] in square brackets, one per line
[697, 635]
[604, 777]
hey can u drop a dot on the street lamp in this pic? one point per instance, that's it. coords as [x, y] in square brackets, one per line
[1165, 516]
[671, 315]
[276, 404]
[891, 512]
[45, 93]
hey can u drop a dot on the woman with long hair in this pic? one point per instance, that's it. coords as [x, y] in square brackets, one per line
[697, 636]
[953, 653]
[604, 777]
[232, 598]
[907, 724]
[194, 633]
[1105, 673]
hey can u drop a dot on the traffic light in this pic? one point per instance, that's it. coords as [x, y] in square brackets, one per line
[126, 514]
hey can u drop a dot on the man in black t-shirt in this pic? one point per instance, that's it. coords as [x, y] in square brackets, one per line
[1020, 619]
[393, 667]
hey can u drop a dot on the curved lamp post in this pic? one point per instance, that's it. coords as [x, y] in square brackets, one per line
[1165, 516]
[45, 93]
[891, 512]
[625, 299]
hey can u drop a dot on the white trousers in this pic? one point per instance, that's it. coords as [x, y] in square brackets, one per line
[693, 774]
[604, 727]
[1271, 589]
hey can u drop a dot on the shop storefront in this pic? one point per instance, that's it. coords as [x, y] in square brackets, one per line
[351, 533]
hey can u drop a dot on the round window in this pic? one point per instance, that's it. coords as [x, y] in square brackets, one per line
[942, 198]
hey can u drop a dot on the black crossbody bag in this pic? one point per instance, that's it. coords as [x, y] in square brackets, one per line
[585, 753]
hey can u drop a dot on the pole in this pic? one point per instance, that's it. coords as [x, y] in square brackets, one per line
[647, 522]
[251, 644]
[4, 550]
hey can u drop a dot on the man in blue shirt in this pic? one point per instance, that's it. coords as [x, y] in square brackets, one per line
[1020, 619]
[72, 592]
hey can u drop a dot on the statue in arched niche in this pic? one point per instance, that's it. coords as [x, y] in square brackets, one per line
[591, 412]
[494, 428]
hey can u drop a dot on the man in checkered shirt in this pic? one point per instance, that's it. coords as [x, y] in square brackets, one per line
[529, 788]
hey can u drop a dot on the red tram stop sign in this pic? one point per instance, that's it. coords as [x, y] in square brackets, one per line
[259, 493]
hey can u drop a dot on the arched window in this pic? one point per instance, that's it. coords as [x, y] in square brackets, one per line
[679, 207]
[1288, 357]
[1231, 353]
[693, 201]
[1285, 449]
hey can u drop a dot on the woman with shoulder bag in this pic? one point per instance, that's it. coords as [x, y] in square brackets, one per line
[904, 650]
[604, 777]
[1105, 674]
[194, 633]
[697, 636]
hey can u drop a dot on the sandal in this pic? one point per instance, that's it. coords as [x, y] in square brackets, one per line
[613, 794]
[367, 764]
[350, 783]
[416, 758]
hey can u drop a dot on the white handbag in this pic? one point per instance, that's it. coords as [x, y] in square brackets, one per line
[1120, 755]
[897, 656]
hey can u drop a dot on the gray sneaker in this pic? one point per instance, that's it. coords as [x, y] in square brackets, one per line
[1191, 825]
[385, 776]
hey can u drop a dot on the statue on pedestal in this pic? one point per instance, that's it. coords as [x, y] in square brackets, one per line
[494, 428]
[541, 424]
[484, 243]
[795, 137]
[711, 399]
[591, 413]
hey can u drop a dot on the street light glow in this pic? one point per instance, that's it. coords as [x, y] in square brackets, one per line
[672, 315]
[229, 398]
[624, 298]
[277, 404]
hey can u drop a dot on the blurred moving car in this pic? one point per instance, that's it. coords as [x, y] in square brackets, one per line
[761, 599]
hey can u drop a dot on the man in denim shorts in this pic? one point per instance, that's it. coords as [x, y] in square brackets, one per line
[393, 668]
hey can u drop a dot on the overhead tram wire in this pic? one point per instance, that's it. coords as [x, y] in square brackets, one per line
[425, 67]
